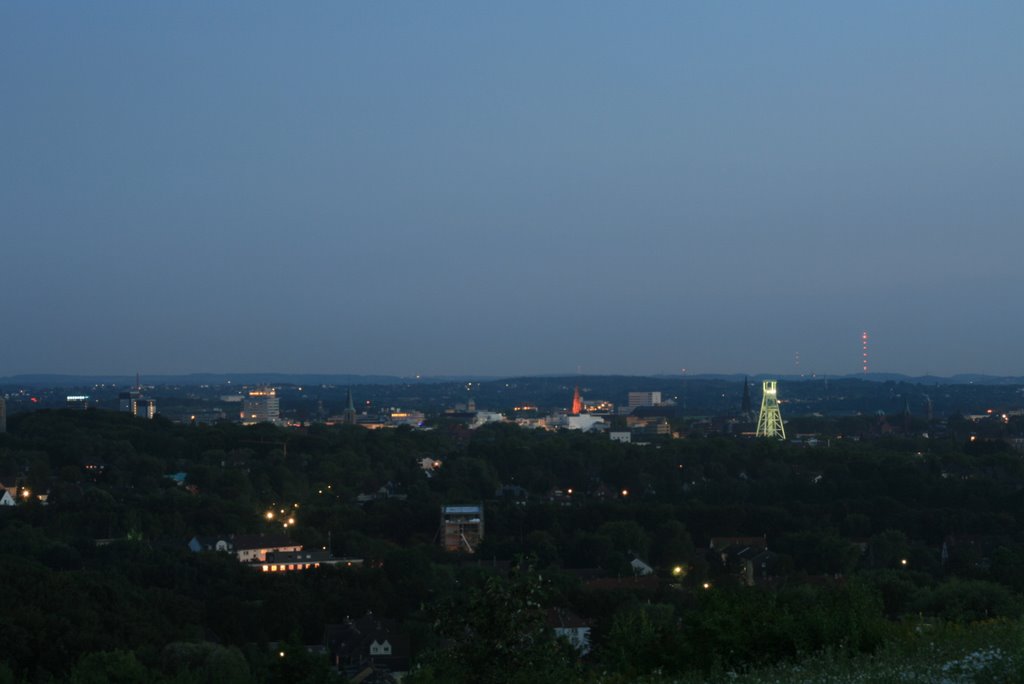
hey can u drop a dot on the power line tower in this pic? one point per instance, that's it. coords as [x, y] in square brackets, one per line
[769, 422]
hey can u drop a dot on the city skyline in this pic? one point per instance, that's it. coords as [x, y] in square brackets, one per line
[457, 189]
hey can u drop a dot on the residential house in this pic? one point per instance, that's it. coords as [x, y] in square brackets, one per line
[369, 642]
[747, 558]
[640, 568]
[572, 627]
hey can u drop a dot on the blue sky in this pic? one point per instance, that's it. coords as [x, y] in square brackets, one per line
[386, 187]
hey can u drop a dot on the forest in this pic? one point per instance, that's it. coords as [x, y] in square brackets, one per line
[858, 548]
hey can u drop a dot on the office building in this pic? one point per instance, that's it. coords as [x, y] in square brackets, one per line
[126, 401]
[261, 405]
[145, 408]
[637, 399]
[133, 402]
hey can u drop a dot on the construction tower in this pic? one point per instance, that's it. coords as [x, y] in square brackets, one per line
[769, 422]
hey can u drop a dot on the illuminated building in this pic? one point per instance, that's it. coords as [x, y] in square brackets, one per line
[402, 417]
[290, 561]
[577, 402]
[481, 418]
[261, 405]
[462, 528]
[78, 402]
[134, 403]
[769, 422]
[145, 408]
[584, 422]
[126, 401]
[598, 406]
[247, 548]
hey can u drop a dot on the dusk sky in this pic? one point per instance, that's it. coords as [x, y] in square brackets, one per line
[513, 188]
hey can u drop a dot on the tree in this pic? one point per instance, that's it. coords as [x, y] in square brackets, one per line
[110, 667]
[500, 636]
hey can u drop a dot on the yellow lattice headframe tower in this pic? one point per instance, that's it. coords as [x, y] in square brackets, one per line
[769, 422]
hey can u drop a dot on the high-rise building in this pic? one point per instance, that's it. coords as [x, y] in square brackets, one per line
[127, 402]
[644, 399]
[133, 402]
[145, 408]
[261, 405]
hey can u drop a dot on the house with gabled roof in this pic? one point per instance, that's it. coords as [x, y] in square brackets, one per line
[571, 627]
[369, 642]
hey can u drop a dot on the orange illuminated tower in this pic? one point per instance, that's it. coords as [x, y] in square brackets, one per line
[577, 402]
[864, 351]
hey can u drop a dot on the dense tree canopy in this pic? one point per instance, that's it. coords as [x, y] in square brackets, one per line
[862, 534]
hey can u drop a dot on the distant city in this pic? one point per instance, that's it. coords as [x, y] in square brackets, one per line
[626, 408]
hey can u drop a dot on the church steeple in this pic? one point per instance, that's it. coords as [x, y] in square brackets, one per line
[349, 414]
[577, 402]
